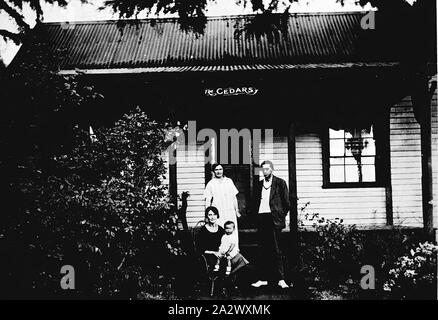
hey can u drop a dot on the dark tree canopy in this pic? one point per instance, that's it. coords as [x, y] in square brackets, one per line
[192, 12]
[14, 10]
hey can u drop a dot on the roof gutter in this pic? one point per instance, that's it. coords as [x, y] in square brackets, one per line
[228, 68]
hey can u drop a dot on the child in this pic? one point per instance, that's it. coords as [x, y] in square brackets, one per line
[229, 246]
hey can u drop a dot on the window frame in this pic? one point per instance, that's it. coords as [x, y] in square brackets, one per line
[382, 159]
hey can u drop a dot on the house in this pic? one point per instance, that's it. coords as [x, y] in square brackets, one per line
[343, 104]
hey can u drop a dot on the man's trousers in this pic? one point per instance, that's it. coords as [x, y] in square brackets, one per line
[271, 258]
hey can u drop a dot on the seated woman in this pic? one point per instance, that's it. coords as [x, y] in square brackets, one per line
[209, 239]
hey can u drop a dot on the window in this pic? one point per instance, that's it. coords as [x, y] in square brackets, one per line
[352, 158]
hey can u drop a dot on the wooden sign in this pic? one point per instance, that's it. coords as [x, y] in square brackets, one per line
[231, 91]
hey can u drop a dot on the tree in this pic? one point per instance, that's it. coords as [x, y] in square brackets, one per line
[102, 208]
[14, 10]
[37, 101]
[40, 110]
[98, 205]
[192, 12]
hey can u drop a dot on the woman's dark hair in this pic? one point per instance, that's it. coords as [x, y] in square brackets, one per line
[214, 165]
[211, 208]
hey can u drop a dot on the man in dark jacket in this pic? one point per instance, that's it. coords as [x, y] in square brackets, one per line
[271, 204]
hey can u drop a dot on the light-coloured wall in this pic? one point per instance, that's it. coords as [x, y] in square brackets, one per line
[435, 154]
[191, 177]
[361, 206]
[406, 165]
[406, 162]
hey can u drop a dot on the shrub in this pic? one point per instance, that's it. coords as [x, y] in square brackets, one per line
[382, 248]
[334, 253]
[101, 208]
[413, 275]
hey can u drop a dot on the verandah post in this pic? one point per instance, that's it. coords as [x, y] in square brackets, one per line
[388, 164]
[173, 189]
[293, 213]
[421, 99]
[426, 170]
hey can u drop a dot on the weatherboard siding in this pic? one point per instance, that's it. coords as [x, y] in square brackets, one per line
[361, 206]
[435, 155]
[405, 137]
[191, 177]
[406, 163]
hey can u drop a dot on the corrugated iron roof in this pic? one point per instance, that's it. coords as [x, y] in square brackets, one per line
[307, 38]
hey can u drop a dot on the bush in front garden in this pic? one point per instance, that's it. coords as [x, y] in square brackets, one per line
[101, 208]
[333, 253]
[414, 275]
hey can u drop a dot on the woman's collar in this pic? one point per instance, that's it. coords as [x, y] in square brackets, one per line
[214, 226]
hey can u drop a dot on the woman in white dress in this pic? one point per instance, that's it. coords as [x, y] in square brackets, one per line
[221, 192]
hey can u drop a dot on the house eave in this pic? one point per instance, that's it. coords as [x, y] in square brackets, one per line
[228, 68]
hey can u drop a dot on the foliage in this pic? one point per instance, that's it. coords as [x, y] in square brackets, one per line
[101, 208]
[413, 275]
[333, 255]
[14, 9]
[192, 12]
[38, 101]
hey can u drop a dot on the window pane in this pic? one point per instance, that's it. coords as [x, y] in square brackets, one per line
[369, 147]
[368, 160]
[337, 174]
[365, 159]
[348, 152]
[351, 174]
[337, 161]
[369, 173]
[337, 147]
[366, 134]
[350, 161]
[354, 146]
[336, 134]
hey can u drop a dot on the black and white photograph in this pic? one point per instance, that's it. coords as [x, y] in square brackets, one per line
[222, 156]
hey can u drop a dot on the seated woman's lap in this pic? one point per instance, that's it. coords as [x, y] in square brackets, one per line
[237, 262]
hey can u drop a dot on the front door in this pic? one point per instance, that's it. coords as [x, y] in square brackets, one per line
[242, 175]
